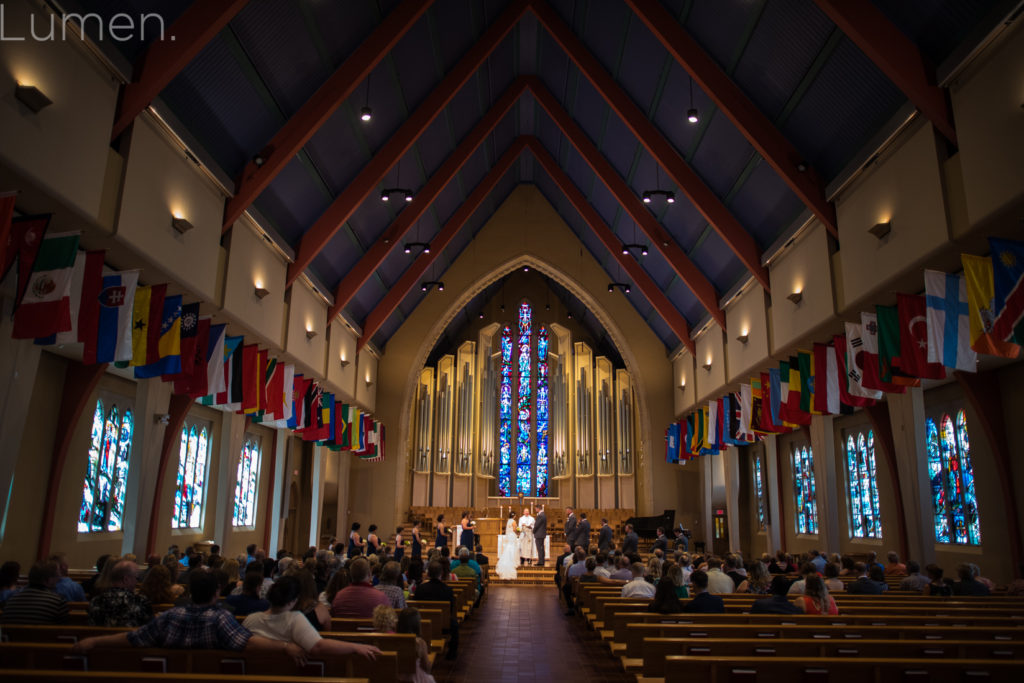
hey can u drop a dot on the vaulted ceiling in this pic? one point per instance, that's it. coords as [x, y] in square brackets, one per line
[586, 100]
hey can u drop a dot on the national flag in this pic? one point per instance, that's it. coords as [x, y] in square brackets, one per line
[249, 376]
[378, 442]
[343, 430]
[215, 346]
[195, 381]
[712, 431]
[746, 431]
[274, 408]
[914, 339]
[189, 334]
[981, 292]
[6, 215]
[78, 272]
[948, 321]
[227, 376]
[672, 444]
[826, 380]
[106, 316]
[1008, 299]
[146, 322]
[168, 346]
[791, 410]
[45, 306]
[845, 397]
[854, 374]
[22, 247]
[357, 433]
[295, 422]
[775, 396]
[890, 342]
[805, 363]
[870, 361]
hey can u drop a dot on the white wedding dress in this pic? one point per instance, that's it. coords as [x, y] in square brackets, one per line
[509, 560]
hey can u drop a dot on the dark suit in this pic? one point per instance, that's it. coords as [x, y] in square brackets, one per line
[570, 531]
[540, 532]
[438, 591]
[604, 539]
[705, 603]
[660, 542]
[631, 543]
[865, 586]
[777, 604]
[583, 534]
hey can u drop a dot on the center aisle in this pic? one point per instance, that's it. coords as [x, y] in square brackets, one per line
[520, 634]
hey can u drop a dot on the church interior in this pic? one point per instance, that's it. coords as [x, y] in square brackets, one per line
[517, 251]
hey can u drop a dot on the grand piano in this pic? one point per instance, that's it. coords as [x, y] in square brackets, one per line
[647, 527]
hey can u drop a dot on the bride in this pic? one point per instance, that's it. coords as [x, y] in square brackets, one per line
[509, 559]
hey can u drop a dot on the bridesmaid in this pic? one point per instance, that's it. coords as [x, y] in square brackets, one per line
[417, 544]
[466, 537]
[372, 541]
[355, 543]
[399, 545]
[442, 536]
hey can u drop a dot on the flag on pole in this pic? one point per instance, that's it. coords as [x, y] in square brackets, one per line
[189, 335]
[746, 431]
[981, 292]
[870, 360]
[826, 380]
[672, 444]
[854, 355]
[948, 321]
[215, 382]
[845, 397]
[194, 381]
[1008, 301]
[22, 247]
[45, 305]
[78, 271]
[167, 350]
[914, 338]
[890, 344]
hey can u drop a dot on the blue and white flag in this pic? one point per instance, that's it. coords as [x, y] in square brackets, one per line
[948, 319]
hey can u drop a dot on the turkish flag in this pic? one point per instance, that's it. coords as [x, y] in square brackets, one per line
[913, 359]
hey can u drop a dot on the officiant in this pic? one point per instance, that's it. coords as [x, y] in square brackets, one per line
[527, 545]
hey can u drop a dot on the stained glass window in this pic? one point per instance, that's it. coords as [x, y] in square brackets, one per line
[523, 483]
[191, 482]
[759, 491]
[505, 416]
[952, 481]
[806, 495]
[247, 482]
[862, 486]
[106, 474]
[542, 412]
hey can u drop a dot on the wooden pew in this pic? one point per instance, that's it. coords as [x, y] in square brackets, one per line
[57, 676]
[430, 628]
[680, 669]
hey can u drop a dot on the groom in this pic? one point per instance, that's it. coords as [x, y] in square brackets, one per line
[540, 532]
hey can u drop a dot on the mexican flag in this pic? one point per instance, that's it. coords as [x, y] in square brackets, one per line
[46, 306]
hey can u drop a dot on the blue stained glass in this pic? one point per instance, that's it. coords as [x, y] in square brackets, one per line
[542, 412]
[952, 479]
[862, 486]
[935, 477]
[191, 481]
[806, 494]
[106, 471]
[759, 490]
[523, 483]
[246, 483]
[505, 416]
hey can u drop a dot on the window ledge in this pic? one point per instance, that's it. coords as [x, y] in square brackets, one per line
[93, 536]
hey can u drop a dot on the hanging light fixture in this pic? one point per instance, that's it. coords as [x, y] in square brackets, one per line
[649, 195]
[366, 114]
[385, 194]
[691, 114]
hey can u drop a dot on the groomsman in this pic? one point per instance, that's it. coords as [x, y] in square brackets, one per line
[604, 537]
[631, 541]
[570, 529]
[583, 532]
[540, 532]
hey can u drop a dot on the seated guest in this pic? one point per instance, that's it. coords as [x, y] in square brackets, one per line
[818, 560]
[202, 625]
[591, 575]
[319, 615]
[120, 605]
[733, 568]
[283, 623]
[71, 591]
[873, 583]
[895, 567]
[665, 600]
[39, 603]
[848, 566]
[718, 581]
[390, 583]
[409, 621]
[806, 569]
[779, 602]
[637, 587]
[360, 597]
[915, 580]
[158, 587]
[937, 585]
[249, 600]
[384, 619]
[481, 559]
[873, 561]
[832, 582]
[675, 573]
[703, 602]
[9, 574]
[622, 573]
[989, 583]
[758, 581]
[89, 584]
[435, 590]
[968, 584]
[816, 599]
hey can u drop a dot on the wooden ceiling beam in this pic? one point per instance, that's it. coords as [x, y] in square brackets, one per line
[165, 58]
[759, 131]
[703, 197]
[319, 108]
[346, 203]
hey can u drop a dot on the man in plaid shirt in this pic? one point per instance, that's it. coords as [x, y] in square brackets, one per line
[201, 625]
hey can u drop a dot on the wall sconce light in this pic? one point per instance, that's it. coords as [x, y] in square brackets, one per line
[422, 246]
[743, 338]
[310, 333]
[261, 292]
[880, 230]
[707, 366]
[682, 383]
[32, 97]
[624, 286]
[369, 382]
[180, 224]
[344, 362]
[796, 298]
[427, 286]
[161, 418]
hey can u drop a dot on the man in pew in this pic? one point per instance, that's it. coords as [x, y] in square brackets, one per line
[703, 601]
[779, 602]
[871, 584]
[915, 579]
[638, 587]
[39, 603]
[285, 624]
[120, 605]
[201, 625]
[719, 582]
[66, 588]
[436, 590]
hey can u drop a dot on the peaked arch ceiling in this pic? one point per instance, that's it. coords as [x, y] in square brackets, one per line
[587, 100]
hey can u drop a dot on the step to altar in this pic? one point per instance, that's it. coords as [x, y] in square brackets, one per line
[527, 576]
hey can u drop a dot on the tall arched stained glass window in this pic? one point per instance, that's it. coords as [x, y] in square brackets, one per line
[523, 483]
[806, 494]
[505, 416]
[862, 486]
[952, 481]
[542, 412]
[247, 482]
[106, 475]
[759, 492]
[191, 482]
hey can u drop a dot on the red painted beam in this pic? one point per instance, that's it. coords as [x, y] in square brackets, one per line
[345, 204]
[878, 414]
[668, 312]
[164, 59]
[375, 255]
[79, 383]
[270, 492]
[412, 275]
[288, 141]
[985, 396]
[665, 155]
[897, 57]
[178, 410]
[662, 240]
[744, 114]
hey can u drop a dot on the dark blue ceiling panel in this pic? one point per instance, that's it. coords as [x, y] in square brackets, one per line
[603, 31]
[136, 41]
[683, 221]
[716, 260]
[722, 155]
[415, 65]
[503, 136]
[718, 25]
[765, 205]
[588, 109]
[339, 148]
[936, 26]
[619, 145]
[387, 330]
[784, 45]
[466, 108]
[436, 144]
[341, 28]
[389, 112]
[555, 64]
[643, 61]
[668, 338]
[848, 101]
[670, 116]
[684, 300]
[292, 202]
[499, 70]
[658, 267]
[453, 30]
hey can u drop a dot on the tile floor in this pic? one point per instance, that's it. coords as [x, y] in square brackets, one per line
[520, 634]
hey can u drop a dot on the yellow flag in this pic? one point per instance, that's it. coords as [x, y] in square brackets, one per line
[140, 325]
[980, 294]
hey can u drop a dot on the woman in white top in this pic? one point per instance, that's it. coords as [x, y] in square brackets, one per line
[509, 560]
[527, 546]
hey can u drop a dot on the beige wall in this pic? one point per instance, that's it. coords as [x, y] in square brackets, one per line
[710, 351]
[747, 315]
[307, 311]
[251, 263]
[804, 268]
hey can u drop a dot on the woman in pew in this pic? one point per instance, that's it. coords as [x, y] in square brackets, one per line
[665, 600]
[816, 599]
[409, 621]
[249, 601]
[158, 587]
[319, 615]
[759, 580]
[937, 586]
